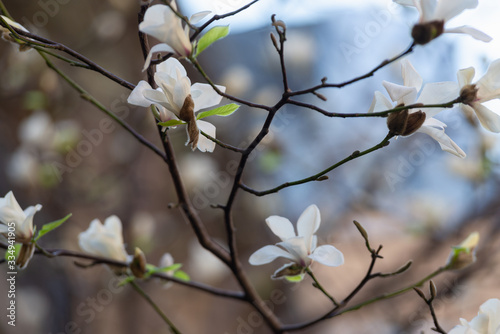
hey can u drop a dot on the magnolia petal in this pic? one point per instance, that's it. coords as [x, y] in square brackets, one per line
[113, 225]
[400, 94]
[446, 10]
[328, 255]
[157, 48]
[489, 85]
[435, 129]
[308, 224]
[491, 308]
[411, 78]
[297, 248]
[205, 144]
[204, 96]
[268, 254]
[281, 227]
[137, 98]
[437, 93]
[155, 96]
[489, 119]
[465, 76]
[405, 2]
[380, 103]
[172, 67]
[10, 211]
[197, 17]
[473, 32]
[25, 229]
[14, 23]
[427, 10]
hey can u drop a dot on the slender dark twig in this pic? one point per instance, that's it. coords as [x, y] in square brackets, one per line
[364, 76]
[317, 177]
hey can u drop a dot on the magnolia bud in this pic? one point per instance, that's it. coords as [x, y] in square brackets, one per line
[138, 264]
[423, 33]
[468, 94]
[464, 254]
[403, 123]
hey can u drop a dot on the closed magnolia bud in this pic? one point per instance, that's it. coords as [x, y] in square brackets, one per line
[464, 254]
[423, 33]
[403, 123]
[468, 94]
[138, 264]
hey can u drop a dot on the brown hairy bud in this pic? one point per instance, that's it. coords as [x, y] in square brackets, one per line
[138, 264]
[187, 115]
[468, 94]
[403, 123]
[423, 33]
[25, 254]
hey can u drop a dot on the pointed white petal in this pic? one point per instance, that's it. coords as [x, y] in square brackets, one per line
[400, 94]
[296, 246]
[489, 119]
[281, 227]
[437, 93]
[411, 78]
[308, 224]
[268, 254]
[172, 67]
[204, 96]
[137, 98]
[113, 225]
[489, 85]
[157, 48]
[435, 129]
[465, 76]
[473, 32]
[380, 103]
[205, 144]
[428, 8]
[328, 255]
[197, 17]
[446, 9]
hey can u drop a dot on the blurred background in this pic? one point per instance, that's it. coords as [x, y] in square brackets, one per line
[411, 197]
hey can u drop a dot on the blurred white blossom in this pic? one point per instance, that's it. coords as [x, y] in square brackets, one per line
[487, 320]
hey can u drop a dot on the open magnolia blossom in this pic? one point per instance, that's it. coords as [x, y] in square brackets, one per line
[11, 213]
[435, 13]
[104, 240]
[485, 89]
[161, 22]
[433, 93]
[299, 247]
[177, 96]
[487, 320]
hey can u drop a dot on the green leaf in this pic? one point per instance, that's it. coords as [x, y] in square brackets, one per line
[51, 226]
[225, 110]
[210, 37]
[172, 122]
[13, 252]
[153, 270]
[182, 275]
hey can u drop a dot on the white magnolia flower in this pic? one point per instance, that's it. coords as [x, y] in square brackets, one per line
[163, 24]
[433, 93]
[11, 212]
[104, 240]
[485, 89]
[487, 320]
[174, 90]
[299, 247]
[435, 13]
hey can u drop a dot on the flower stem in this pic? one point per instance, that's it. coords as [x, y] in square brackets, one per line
[144, 295]
[320, 287]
